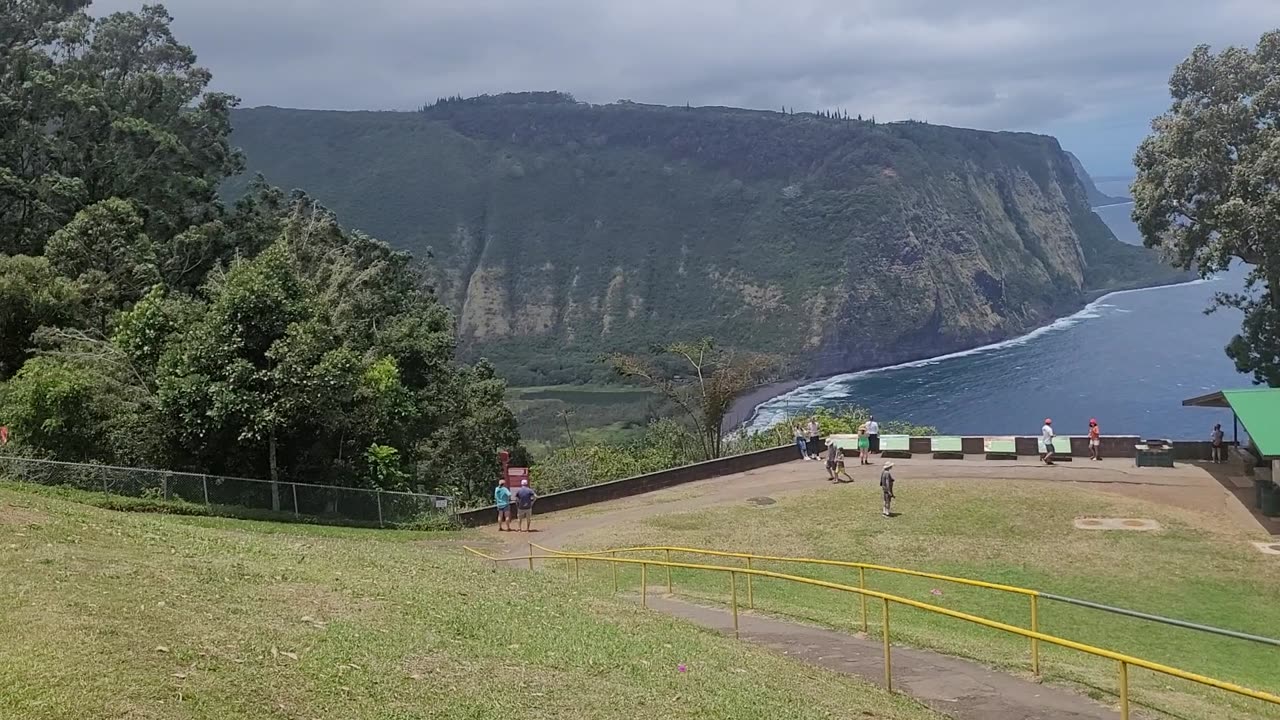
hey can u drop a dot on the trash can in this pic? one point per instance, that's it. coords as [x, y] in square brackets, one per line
[1269, 502]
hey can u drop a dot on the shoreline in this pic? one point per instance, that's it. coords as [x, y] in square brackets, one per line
[745, 407]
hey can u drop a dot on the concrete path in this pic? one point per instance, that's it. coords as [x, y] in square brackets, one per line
[957, 688]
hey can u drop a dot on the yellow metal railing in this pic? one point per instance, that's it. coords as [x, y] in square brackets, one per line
[1124, 662]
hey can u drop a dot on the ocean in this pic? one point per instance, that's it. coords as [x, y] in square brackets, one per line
[1128, 359]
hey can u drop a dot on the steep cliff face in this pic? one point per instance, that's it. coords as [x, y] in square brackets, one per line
[558, 230]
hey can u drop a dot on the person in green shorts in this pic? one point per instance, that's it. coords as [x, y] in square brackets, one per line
[864, 445]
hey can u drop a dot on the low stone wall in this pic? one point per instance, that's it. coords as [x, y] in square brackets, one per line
[1113, 446]
[641, 484]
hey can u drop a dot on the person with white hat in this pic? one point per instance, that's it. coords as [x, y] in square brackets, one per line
[525, 497]
[1046, 439]
[886, 487]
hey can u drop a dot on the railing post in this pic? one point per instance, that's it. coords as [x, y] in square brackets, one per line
[1124, 690]
[576, 571]
[862, 597]
[1035, 644]
[644, 584]
[733, 580]
[888, 666]
[379, 494]
[751, 598]
[295, 498]
[530, 556]
[669, 591]
[205, 479]
[614, 567]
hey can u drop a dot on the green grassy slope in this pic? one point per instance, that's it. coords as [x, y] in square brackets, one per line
[1200, 568]
[113, 615]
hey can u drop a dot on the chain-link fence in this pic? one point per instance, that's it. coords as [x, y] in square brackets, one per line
[382, 508]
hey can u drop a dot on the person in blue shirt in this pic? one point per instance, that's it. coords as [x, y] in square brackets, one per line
[502, 498]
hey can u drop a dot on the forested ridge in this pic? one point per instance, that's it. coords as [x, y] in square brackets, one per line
[560, 229]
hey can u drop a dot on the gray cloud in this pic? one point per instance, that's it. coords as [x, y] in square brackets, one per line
[985, 63]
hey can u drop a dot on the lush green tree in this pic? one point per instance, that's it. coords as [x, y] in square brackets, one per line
[100, 109]
[105, 250]
[32, 295]
[58, 408]
[1206, 189]
[706, 382]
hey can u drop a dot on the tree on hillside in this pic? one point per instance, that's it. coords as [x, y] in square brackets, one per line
[100, 109]
[143, 323]
[703, 382]
[1206, 188]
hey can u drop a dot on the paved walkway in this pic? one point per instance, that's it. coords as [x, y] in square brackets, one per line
[957, 688]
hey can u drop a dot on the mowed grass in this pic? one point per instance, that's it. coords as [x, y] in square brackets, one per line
[119, 615]
[1199, 568]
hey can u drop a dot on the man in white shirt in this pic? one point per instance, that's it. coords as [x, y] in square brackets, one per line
[873, 434]
[1046, 438]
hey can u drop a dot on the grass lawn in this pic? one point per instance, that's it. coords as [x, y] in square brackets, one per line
[123, 615]
[1197, 568]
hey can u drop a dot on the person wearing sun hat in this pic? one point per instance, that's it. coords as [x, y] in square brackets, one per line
[886, 488]
[1046, 437]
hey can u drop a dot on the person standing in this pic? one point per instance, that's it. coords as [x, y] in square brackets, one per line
[801, 444]
[1219, 448]
[833, 452]
[873, 434]
[864, 445]
[1095, 440]
[502, 499]
[1046, 439]
[525, 498]
[814, 433]
[886, 488]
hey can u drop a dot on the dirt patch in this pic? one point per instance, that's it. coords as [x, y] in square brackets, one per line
[21, 517]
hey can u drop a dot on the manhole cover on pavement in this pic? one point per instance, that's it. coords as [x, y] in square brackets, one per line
[1268, 548]
[761, 501]
[1116, 524]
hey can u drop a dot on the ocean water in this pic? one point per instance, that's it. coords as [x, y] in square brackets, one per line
[1128, 359]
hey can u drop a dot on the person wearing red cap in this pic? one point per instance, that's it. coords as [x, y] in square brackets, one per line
[1095, 440]
[1046, 439]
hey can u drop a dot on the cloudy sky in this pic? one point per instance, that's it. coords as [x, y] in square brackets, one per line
[1092, 72]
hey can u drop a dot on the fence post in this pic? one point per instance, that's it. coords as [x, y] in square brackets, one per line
[105, 491]
[751, 598]
[733, 580]
[888, 666]
[378, 493]
[862, 584]
[1035, 644]
[295, 498]
[669, 592]
[1124, 690]
[576, 571]
[530, 556]
[644, 584]
[164, 486]
[204, 479]
[614, 567]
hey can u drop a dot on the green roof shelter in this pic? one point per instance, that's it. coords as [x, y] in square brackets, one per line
[1258, 409]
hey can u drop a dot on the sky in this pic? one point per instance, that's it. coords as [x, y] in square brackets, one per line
[1091, 72]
